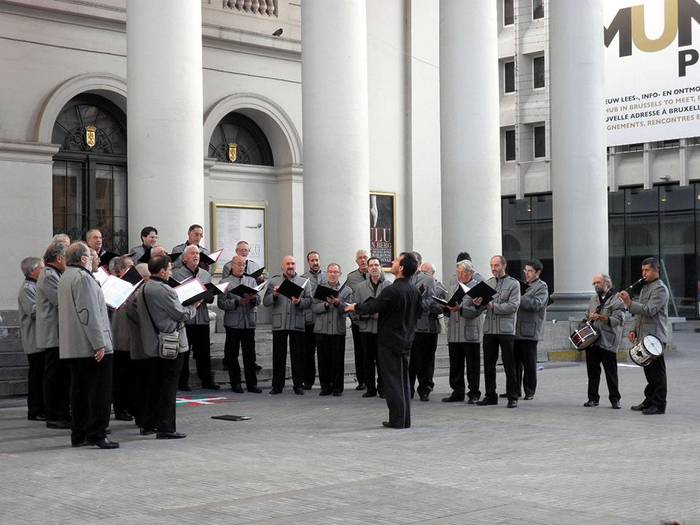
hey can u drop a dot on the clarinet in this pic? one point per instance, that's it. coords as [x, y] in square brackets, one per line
[633, 285]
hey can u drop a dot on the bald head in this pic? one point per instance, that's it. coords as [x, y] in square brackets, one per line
[238, 265]
[428, 268]
[289, 266]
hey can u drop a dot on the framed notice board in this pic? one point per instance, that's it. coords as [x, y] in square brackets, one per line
[231, 223]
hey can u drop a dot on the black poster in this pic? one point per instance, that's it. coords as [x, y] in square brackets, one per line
[382, 218]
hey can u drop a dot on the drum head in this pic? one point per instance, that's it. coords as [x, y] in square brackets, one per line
[653, 345]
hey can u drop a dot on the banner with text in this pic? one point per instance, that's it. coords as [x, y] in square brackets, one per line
[652, 77]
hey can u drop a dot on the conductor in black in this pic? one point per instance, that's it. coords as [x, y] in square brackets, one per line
[398, 306]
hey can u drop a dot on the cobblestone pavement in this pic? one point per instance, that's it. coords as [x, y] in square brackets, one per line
[328, 460]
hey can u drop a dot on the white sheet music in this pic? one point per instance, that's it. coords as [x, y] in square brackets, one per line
[100, 275]
[116, 291]
[189, 289]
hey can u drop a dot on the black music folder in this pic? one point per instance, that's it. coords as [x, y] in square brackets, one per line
[482, 290]
[523, 286]
[256, 273]
[290, 289]
[324, 292]
[210, 291]
[210, 258]
[456, 298]
[106, 257]
[132, 276]
[242, 289]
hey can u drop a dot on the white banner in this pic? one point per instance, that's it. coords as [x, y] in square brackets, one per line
[652, 77]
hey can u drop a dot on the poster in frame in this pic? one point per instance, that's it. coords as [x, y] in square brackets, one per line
[382, 227]
[231, 223]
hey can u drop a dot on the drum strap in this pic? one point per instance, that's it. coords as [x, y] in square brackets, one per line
[603, 299]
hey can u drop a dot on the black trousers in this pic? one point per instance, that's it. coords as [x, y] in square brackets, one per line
[123, 383]
[309, 355]
[245, 339]
[90, 397]
[35, 385]
[331, 362]
[595, 356]
[145, 390]
[492, 342]
[369, 348]
[397, 391]
[359, 354]
[461, 355]
[279, 357]
[162, 393]
[655, 391]
[198, 339]
[422, 362]
[525, 352]
[56, 386]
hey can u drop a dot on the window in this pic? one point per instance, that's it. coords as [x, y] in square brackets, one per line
[508, 13]
[665, 144]
[537, 9]
[540, 147]
[629, 148]
[237, 139]
[538, 72]
[509, 136]
[508, 77]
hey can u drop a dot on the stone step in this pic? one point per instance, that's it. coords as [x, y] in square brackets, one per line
[10, 373]
[13, 388]
[10, 340]
[12, 359]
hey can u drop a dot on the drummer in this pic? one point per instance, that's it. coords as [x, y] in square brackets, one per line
[651, 317]
[606, 313]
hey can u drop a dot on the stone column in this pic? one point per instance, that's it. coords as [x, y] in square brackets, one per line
[335, 115]
[164, 118]
[578, 173]
[469, 132]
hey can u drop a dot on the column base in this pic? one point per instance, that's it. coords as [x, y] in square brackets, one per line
[568, 305]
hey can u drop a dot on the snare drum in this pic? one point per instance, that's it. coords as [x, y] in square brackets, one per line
[646, 350]
[584, 336]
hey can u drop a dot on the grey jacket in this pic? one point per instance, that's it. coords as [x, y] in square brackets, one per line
[532, 312]
[250, 267]
[82, 315]
[466, 325]
[431, 310]
[501, 320]
[651, 311]
[237, 315]
[126, 335]
[364, 291]
[180, 248]
[166, 313]
[313, 282]
[610, 332]
[137, 252]
[26, 299]
[330, 320]
[47, 308]
[285, 314]
[183, 273]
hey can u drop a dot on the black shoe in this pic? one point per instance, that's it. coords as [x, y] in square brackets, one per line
[238, 389]
[361, 386]
[184, 388]
[104, 443]
[255, 390]
[590, 403]
[512, 403]
[77, 442]
[453, 399]
[424, 397]
[61, 423]
[337, 394]
[387, 424]
[298, 391]
[147, 431]
[258, 367]
[38, 417]
[380, 393]
[487, 401]
[275, 392]
[211, 386]
[473, 400]
[615, 405]
[503, 396]
[529, 398]
[653, 410]
[325, 393]
[123, 416]
[170, 435]
[307, 386]
[369, 393]
[641, 406]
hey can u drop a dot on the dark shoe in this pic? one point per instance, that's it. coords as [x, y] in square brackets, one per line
[452, 399]
[512, 403]
[487, 401]
[503, 396]
[473, 400]
[211, 386]
[147, 431]
[424, 397]
[123, 416]
[38, 417]
[238, 389]
[590, 403]
[638, 408]
[369, 394]
[170, 435]
[325, 393]
[104, 443]
[298, 391]
[275, 392]
[62, 424]
[76, 444]
[184, 388]
[653, 410]
[337, 394]
[307, 386]
[615, 405]
[255, 390]
[387, 424]
[380, 393]
[361, 386]
[529, 398]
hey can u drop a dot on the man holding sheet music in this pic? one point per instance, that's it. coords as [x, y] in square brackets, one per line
[251, 267]
[239, 304]
[499, 331]
[198, 327]
[288, 296]
[194, 236]
[314, 274]
[330, 299]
